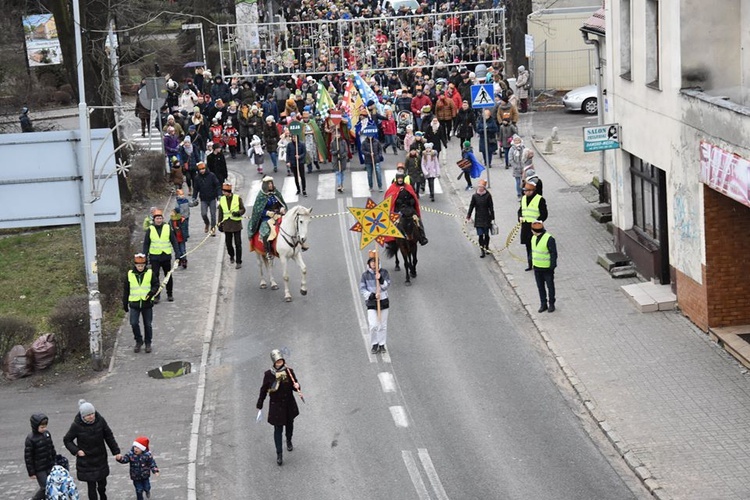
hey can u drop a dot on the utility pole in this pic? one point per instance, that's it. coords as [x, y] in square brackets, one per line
[88, 228]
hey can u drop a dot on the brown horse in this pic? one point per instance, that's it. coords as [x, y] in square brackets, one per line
[408, 224]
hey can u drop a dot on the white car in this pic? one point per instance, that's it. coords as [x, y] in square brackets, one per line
[582, 99]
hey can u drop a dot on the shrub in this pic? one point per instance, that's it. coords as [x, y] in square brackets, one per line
[147, 175]
[14, 331]
[70, 321]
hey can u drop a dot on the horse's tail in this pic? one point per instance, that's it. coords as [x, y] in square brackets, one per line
[391, 249]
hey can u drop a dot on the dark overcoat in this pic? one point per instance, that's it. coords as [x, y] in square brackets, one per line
[282, 408]
[91, 438]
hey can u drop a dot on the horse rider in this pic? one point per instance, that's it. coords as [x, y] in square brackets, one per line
[268, 208]
[404, 201]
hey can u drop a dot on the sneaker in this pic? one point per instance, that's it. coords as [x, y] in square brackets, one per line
[375, 349]
[238, 266]
[469, 188]
[137, 347]
[148, 347]
[380, 189]
[382, 348]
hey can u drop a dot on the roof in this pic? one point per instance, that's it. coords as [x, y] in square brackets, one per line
[595, 24]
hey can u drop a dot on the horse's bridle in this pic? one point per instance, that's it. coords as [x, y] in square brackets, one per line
[295, 239]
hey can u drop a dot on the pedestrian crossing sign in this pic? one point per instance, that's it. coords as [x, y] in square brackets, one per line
[483, 96]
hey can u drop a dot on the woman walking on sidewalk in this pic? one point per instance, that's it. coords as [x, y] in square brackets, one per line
[280, 383]
[481, 201]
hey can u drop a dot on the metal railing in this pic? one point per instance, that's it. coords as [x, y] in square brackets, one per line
[555, 70]
[384, 43]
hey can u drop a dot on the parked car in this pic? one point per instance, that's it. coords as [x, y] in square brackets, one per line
[582, 99]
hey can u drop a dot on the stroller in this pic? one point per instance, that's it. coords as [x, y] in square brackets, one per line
[403, 119]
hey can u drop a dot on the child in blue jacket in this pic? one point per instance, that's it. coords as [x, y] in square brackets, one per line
[142, 464]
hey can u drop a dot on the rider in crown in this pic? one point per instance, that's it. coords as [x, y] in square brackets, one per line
[269, 206]
[404, 201]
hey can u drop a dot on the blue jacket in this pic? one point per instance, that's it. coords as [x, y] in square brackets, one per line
[141, 466]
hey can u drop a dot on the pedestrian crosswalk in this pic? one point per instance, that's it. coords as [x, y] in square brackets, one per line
[355, 186]
[150, 142]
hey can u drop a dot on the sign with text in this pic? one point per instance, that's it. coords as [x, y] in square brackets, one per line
[725, 172]
[295, 128]
[601, 137]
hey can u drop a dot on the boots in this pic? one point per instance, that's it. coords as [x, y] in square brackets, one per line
[289, 445]
[422, 237]
[269, 250]
[279, 458]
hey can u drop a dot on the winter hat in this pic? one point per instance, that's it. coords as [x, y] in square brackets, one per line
[141, 442]
[467, 144]
[85, 408]
[537, 225]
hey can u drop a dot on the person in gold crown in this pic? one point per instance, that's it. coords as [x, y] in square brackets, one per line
[279, 383]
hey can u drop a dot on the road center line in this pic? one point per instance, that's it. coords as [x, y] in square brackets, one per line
[416, 479]
[432, 475]
[386, 382]
[399, 416]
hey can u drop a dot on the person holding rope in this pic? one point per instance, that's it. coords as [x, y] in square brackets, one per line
[544, 259]
[373, 286]
[279, 383]
[158, 244]
[140, 286]
[269, 206]
[231, 210]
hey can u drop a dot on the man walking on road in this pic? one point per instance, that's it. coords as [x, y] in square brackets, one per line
[158, 244]
[140, 286]
[231, 210]
[207, 186]
[544, 259]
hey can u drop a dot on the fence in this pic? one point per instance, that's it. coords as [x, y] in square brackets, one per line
[384, 43]
[555, 70]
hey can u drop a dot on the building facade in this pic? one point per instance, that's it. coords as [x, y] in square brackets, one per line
[677, 82]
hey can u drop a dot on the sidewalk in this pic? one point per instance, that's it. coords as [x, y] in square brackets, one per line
[166, 410]
[673, 404]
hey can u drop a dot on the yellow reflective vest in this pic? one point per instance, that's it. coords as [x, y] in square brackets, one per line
[530, 212]
[160, 244]
[139, 289]
[235, 207]
[540, 256]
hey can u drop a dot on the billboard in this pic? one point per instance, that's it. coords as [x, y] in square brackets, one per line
[601, 137]
[42, 44]
[725, 172]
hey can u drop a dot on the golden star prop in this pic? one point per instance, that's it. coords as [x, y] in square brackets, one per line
[375, 222]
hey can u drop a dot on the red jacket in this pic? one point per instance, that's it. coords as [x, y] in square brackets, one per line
[392, 193]
[418, 102]
[389, 126]
[456, 98]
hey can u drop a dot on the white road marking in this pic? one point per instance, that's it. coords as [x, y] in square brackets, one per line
[254, 190]
[387, 383]
[289, 191]
[399, 416]
[416, 478]
[354, 276]
[360, 189]
[326, 186]
[432, 475]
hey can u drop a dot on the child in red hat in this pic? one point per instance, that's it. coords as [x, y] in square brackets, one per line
[142, 464]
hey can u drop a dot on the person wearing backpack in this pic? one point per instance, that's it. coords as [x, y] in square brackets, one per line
[39, 453]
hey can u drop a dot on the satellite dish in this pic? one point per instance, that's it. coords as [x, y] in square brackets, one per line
[156, 90]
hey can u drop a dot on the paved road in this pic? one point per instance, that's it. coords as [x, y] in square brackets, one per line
[481, 416]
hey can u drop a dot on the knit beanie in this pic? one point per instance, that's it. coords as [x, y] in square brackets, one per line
[85, 408]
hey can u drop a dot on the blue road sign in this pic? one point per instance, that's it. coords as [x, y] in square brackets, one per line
[483, 96]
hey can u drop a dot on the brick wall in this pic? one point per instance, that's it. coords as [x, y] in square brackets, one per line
[691, 296]
[725, 276]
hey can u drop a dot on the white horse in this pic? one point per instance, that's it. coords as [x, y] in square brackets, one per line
[290, 242]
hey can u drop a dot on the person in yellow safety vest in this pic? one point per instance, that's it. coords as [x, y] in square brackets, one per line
[158, 245]
[544, 260]
[533, 207]
[231, 210]
[140, 286]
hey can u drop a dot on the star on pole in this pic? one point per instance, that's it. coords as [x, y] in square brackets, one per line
[375, 222]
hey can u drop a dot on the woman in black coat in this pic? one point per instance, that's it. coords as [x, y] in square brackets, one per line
[86, 439]
[280, 383]
[464, 123]
[481, 204]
